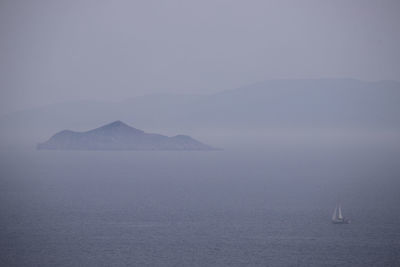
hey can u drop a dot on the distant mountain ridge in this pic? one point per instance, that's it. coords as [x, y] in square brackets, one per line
[274, 104]
[119, 136]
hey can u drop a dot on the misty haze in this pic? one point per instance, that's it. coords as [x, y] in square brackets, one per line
[199, 133]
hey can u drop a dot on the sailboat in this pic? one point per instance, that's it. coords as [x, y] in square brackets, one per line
[337, 217]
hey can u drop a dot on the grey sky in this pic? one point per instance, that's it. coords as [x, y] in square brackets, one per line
[53, 51]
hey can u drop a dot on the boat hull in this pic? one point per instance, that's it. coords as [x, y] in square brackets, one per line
[344, 221]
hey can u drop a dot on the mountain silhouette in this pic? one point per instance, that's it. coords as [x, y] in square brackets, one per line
[119, 136]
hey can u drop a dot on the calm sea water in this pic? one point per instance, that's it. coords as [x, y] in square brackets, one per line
[264, 207]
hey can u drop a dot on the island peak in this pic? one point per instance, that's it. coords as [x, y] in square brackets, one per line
[116, 124]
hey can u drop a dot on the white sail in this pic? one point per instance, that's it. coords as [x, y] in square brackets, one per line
[340, 217]
[334, 214]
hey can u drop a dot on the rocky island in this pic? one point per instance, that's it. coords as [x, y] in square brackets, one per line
[119, 136]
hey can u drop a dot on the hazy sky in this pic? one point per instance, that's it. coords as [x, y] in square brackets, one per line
[53, 51]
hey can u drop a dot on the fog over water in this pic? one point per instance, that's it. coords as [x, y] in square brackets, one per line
[301, 97]
[234, 207]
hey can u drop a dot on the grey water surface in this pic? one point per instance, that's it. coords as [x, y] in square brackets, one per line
[238, 207]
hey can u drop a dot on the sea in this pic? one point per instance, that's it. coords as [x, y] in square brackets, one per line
[266, 206]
